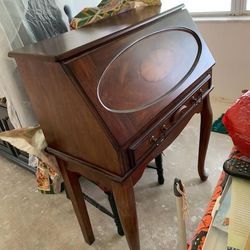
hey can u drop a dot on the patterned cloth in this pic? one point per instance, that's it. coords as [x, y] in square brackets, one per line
[49, 179]
[107, 8]
[201, 232]
[32, 141]
[199, 237]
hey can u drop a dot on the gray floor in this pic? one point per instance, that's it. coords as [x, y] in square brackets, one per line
[30, 220]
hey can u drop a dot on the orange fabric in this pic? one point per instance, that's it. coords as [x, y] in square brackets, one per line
[199, 237]
[202, 229]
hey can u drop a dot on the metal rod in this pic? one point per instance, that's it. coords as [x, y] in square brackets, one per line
[115, 213]
[97, 205]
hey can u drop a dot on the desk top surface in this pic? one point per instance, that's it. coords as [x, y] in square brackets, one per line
[74, 42]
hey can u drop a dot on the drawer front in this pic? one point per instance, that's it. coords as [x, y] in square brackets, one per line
[158, 134]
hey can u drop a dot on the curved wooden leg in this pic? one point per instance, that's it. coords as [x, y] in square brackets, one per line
[72, 185]
[205, 129]
[125, 202]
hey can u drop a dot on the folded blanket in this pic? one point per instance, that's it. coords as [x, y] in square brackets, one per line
[107, 8]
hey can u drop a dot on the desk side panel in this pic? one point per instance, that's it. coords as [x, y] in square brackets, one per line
[68, 123]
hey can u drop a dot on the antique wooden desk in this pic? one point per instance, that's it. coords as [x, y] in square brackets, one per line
[112, 96]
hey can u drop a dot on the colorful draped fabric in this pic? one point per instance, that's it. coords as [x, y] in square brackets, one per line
[203, 227]
[201, 232]
[107, 8]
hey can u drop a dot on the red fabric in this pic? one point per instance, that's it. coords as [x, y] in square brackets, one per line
[237, 122]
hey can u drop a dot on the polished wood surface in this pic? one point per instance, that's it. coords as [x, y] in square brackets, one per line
[145, 71]
[125, 202]
[60, 115]
[71, 43]
[88, 69]
[112, 96]
[71, 181]
[206, 123]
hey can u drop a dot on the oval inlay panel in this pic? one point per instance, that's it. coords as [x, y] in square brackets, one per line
[148, 70]
[157, 65]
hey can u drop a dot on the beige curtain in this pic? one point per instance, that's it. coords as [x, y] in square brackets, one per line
[19, 108]
[18, 28]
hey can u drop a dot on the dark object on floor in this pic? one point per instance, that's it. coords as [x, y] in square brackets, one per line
[114, 214]
[237, 167]
[218, 126]
[7, 150]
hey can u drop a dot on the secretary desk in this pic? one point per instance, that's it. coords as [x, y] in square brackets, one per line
[112, 96]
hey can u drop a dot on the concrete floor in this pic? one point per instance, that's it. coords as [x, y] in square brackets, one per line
[30, 220]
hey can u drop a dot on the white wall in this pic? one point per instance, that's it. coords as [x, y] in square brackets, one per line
[229, 42]
[77, 5]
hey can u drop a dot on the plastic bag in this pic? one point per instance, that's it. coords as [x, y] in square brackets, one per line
[237, 122]
[32, 141]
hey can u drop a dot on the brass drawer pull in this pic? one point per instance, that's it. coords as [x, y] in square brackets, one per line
[153, 139]
[180, 112]
[197, 100]
[164, 128]
[160, 141]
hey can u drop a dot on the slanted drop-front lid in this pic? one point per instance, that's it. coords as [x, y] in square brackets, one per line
[149, 69]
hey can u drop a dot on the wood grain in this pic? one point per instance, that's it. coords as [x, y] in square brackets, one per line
[206, 124]
[125, 202]
[71, 43]
[65, 117]
[71, 181]
[82, 99]
[88, 69]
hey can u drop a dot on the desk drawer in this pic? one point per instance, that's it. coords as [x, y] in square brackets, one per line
[159, 133]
